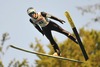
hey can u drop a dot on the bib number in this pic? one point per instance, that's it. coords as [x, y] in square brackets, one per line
[40, 22]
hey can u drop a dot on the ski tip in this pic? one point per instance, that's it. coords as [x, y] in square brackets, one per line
[10, 45]
[66, 12]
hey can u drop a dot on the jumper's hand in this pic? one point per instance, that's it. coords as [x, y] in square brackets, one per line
[62, 21]
[43, 33]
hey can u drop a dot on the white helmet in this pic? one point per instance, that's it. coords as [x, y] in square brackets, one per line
[31, 10]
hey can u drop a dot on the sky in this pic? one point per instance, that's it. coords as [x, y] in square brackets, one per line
[15, 21]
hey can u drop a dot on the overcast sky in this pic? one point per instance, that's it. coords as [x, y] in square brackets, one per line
[15, 21]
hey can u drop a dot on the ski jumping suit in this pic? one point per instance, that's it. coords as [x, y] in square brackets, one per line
[44, 26]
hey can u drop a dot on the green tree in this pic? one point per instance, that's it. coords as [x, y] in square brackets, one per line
[91, 41]
[14, 62]
[17, 63]
[5, 36]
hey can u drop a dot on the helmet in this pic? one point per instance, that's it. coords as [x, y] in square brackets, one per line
[31, 10]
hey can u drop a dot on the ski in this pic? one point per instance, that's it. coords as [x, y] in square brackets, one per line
[76, 34]
[37, 53]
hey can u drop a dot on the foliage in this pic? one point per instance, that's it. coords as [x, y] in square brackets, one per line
[5, 37]
[89, 8]
[16, 63]
[1, 64]
[13, 63]
[91, 41]
[93, 10]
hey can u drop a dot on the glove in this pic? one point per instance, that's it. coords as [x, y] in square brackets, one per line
[42, 33]
[62, 21]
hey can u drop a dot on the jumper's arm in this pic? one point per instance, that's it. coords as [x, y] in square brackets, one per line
[37, 27]
[44, 14]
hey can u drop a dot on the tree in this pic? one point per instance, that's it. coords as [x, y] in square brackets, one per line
[14, 62]
[90, 38]
[91, 41]
[91, 9]
[5, 37]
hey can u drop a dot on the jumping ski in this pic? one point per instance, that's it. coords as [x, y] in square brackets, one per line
[57, 57]
[76, 34]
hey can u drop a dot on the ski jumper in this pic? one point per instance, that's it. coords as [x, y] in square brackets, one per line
[45, 26]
